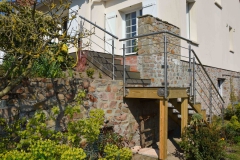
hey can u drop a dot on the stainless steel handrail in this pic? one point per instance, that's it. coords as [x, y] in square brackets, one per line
[190, 50]
[154, 33]
[207, 75]
[99, 27]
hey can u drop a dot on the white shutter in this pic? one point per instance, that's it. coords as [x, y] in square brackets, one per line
[73, 24]
[150, 7]
[110, 27]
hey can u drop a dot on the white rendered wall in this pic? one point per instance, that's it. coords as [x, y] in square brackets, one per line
[211, 25]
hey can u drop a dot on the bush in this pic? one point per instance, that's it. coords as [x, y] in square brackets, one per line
[232, 110]
[200, 142]
[31, 139]
[232, 129]
[46, 149]
[90, 72]
[113, 152]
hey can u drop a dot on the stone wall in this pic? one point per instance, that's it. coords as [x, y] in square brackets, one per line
[43, 94]
[150, 53]
[150, 60]
[230, 79]
[123, 115]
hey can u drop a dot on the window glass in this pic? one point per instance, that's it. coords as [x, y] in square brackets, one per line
[131, 29]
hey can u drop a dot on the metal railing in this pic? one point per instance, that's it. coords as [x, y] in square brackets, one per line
[205, 91]
[82, 28]
[165, 66]
[191, 68]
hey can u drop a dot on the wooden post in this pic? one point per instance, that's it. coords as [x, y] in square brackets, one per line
[184, 114]
[163, 128]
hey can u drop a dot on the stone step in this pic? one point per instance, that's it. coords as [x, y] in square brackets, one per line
[118, 67]
[104, 61]
[105, 55]
[107, 60]
[129, 75]
[138, 81]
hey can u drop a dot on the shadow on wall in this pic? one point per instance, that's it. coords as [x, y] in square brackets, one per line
[146, 113]
[41, 93]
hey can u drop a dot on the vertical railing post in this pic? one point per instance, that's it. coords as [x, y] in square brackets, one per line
[124, 71]
[194, 81]
[210, 104]
[165, 67]
[79, 49]
[190, 69]
[113, 60]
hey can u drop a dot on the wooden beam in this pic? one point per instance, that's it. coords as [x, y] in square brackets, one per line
[150, 93]
[163, 129]
[155, 93]
[184, 114]
[177, 93]
[204, 115]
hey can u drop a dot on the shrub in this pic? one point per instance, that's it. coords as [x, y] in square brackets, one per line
[113, 152]
[232, 129]
[46, 149]
[25, 139]
[200, 142]
[90, 72]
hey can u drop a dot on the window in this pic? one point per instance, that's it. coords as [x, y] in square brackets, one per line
[191, 21]
[131, 29]
[220, 86]
[231, 39]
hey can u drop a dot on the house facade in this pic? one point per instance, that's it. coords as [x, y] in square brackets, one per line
[139, 111]
[211, 25]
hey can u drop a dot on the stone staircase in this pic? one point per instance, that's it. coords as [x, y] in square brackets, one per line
[104, 62]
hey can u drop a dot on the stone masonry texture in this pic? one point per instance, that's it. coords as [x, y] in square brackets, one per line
[150, 60]
[44, 93]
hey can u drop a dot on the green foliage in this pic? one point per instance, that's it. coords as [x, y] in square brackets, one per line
[43, 67]
[114, 153]
[229, 112]
[234, 123]
[100, 75]
[33, 42]
[236, 139]
[32, 139]
[232, 129]
[46, 149]
[200, 142]
[232, 126]
[90, 72]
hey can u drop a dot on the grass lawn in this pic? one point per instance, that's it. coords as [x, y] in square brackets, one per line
[233, 152]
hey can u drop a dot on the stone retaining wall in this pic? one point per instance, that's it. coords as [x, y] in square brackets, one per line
[42, 93]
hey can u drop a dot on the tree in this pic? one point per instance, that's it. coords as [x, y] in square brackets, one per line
[28, 35]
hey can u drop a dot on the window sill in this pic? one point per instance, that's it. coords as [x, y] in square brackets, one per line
[231, 51]
[218, 5]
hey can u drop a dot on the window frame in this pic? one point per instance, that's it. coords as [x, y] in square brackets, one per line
[124, 27]
[220, 82]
